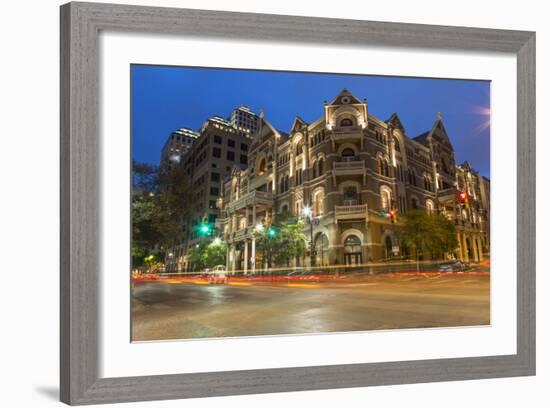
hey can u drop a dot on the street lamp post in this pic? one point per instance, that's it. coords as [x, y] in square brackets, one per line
[309, 216]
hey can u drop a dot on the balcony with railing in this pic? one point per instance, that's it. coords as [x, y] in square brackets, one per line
[351, 212]
[346, 166]
[347, 132]
[349, 165]
[254, 197]
[447, 194]
[240, 234]
[459, 222]
[259, 180]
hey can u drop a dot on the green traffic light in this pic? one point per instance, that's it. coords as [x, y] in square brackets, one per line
[205, 229]
[271, 232]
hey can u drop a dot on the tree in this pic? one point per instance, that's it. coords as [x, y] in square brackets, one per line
[216, 253]
[160, 208]
[207, 254]
[429, 234]
[196, 256]
[281, 241]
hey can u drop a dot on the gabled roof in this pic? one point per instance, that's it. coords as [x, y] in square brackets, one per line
[466, 165]
[260, 134]
[298, 124]
[395, 121]
[422, 137]
[344, 93]
[284, 135]
[437, 132]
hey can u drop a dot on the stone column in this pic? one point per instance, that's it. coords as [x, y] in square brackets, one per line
[465, 248]
[479, 248]
[227, 257]
[476, 248]
[460, 249]
[253, 255]
[245, 267]
[234, 223]
[232, 257]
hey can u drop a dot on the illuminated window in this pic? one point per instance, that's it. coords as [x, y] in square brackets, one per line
[385, 198]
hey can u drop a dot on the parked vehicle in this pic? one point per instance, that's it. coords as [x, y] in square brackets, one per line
[453, 266]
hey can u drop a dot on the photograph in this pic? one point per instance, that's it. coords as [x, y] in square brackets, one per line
[282, 203]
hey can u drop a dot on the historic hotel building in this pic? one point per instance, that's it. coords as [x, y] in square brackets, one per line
[351, 168]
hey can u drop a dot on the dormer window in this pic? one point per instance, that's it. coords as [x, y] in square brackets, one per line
[346, 122]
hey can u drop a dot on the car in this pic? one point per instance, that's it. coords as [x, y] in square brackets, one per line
[298, 272]
[217, 275]
[453, 266]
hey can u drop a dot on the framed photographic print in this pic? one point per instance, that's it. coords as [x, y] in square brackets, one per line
[260, 203]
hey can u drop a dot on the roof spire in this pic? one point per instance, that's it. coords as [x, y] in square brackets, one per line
[439, 116]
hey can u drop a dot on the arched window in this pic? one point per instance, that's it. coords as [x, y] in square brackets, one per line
[396, 144]
[348, 152]
[427, 183]
[429, 207]
[261, 166]
[383, 167]
[287, 184]
[389, 246]
[314, 170]
[398, 171]
[299, 174]
[318, 203]
[414, 203]
[320, 168]
[351, 196]
[352, 244]
[298, 207]
[321, 249]
[346, 122]
[352, 250]
[299, 148]
[412, 177]
[242, 223]
[402, 204]
[385, 198]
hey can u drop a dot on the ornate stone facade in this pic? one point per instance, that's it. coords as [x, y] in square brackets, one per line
[351, 168]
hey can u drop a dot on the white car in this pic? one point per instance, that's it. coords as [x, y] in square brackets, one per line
[217, 274]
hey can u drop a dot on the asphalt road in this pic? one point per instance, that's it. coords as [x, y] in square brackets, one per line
[163, 310]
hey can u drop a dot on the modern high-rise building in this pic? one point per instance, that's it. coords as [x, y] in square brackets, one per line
[352, 170]
[244, 121]
[177, 145]
[220, 149]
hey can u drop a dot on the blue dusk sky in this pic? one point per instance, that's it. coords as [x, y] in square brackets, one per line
[166, 98]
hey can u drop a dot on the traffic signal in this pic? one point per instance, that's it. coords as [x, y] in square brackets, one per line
[271, 232]
[204, 229]
[463, 199]
[393, 216]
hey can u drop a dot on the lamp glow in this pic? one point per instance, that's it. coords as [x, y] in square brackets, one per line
[259, 227]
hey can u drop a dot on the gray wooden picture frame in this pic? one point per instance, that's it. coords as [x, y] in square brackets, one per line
[81, 24]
